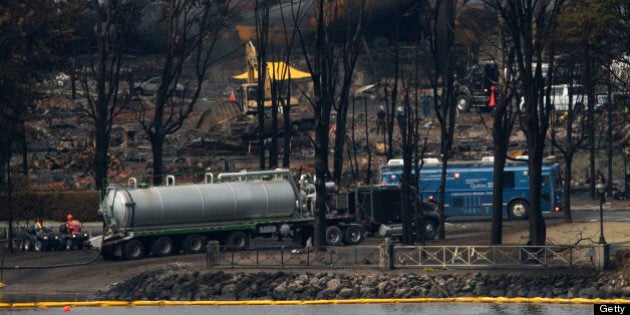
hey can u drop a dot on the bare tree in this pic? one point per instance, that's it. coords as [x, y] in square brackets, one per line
[443, 86]
[32, 38]
[505, 114]
[530, 24]
[100, 79]
[593, 27]
[194, 28]
[354, 13]
[324, 66]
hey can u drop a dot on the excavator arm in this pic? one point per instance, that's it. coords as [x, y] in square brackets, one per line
[252, 68]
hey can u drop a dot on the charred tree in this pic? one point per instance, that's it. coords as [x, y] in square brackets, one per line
[194, 29]
[530, 24]
[443, 86]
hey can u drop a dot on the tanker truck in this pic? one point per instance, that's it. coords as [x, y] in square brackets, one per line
[233, 209]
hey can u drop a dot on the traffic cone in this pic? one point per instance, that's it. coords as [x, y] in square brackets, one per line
[232, 96]
[492, 100]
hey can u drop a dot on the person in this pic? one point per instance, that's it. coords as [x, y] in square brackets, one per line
[380, 121]
[400, 117]
[39, 227]
[73, 226]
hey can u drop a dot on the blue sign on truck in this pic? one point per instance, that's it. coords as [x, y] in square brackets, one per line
[469, 186]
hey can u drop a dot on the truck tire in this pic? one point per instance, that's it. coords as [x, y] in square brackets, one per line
[237, 240]
[39, 246]
[163, 246]
[27, 246]
[133, 250]
[353, 235]
[518, 209]
[194, 244]
[333, 235]
[463, 103]
[430, 229]
[68, 244]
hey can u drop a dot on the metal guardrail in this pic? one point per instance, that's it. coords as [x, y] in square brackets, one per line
[390, 257]
[494, 256]
[300, 257]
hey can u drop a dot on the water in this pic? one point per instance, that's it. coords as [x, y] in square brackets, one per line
[363, 309]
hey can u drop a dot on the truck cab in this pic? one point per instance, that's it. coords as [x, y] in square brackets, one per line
[476, 88]
[377, 208]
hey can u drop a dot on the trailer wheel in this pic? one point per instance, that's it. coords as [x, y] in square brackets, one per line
[518, 209]
[133, 250]
[237, 240]
[163, 246]
[353, 235]
[193, 244]
[333, 235]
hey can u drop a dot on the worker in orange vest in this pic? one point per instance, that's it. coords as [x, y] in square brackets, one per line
[39, 227]
[73, 226]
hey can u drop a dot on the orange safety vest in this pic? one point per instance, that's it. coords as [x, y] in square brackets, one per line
[74, 227]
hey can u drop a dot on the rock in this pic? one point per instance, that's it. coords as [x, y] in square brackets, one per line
[280, 291]
[334, 285]
[587, 293]
[171, 284]
[346, 293]
[497, 292]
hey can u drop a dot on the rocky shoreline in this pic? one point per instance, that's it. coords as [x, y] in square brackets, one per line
[178, 283]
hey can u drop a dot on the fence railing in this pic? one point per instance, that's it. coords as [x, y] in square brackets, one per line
[390, 256]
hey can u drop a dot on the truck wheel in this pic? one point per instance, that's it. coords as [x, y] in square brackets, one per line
[193, 244]
[237, 240]
[163, 246]
[353, 235]
[68, 244]
[463, 104]
[133, 250]
[27, 246]
[39, 246]
[333, 235]
[518, 209]
[430, 229]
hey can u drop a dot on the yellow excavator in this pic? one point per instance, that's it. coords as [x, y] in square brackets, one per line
[275, 71]
[239, 116]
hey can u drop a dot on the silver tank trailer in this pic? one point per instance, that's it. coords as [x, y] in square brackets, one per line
[200, 204]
